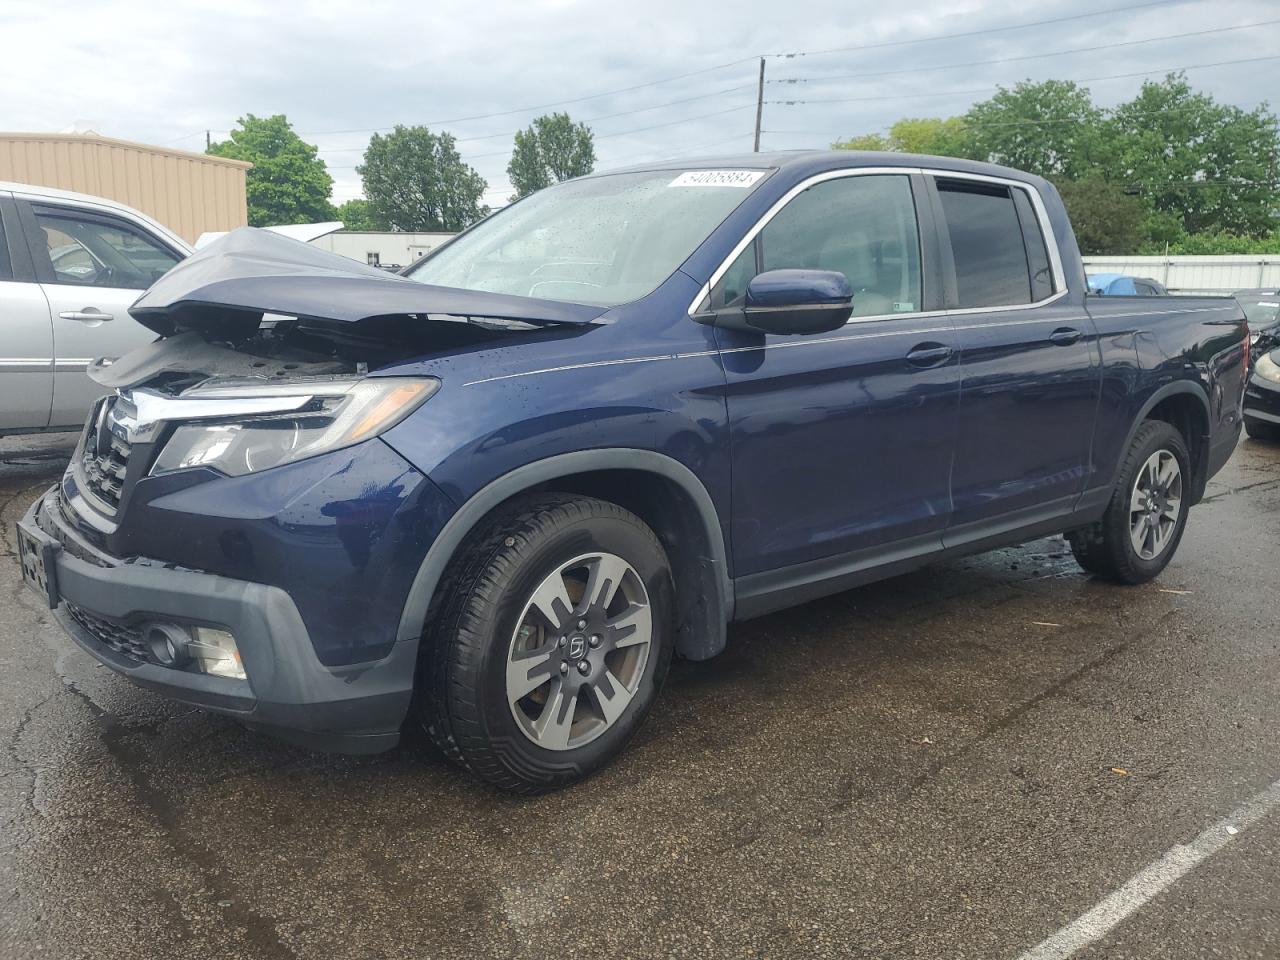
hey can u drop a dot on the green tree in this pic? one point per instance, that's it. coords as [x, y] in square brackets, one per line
[1050, 128]
[356, 215]
[1211, 243]
[930, 135]
[1205, 165]
[288, 182]
[1106, 218]
[415, 180]
[864, 141]
[553, 148]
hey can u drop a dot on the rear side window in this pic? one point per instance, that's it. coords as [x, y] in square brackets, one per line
[992, 268]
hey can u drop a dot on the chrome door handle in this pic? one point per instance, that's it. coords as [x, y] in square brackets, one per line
[1065, 336]
[87, 315]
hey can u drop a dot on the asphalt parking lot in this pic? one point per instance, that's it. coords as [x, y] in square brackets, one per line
[961, 762]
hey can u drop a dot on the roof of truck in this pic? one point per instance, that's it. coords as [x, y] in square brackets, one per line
[817, 161]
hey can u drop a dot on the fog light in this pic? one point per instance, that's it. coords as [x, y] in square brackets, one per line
[168, 643]
[215, 653]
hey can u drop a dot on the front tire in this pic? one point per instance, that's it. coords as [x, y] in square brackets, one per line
[1258, 430]
[551, 640]
[1143, 524]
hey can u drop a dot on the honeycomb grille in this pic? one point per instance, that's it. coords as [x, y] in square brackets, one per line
[119, 637]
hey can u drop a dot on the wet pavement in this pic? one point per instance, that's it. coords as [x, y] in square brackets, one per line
[953, 763]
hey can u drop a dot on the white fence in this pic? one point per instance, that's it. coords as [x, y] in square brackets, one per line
[1192, 274]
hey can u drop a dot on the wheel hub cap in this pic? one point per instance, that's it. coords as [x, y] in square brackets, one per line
[579, 651]
[1155, 505]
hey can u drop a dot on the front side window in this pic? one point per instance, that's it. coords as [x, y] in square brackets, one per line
[861, 226]
[601, 240]
[101, 252]
[993, 264]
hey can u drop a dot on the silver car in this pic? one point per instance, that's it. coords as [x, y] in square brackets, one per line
[70, 266]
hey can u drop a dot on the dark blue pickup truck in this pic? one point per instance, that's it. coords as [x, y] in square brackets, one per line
[498, 494]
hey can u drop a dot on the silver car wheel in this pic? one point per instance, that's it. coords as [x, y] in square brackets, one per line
[579, 651]
[1155, 504]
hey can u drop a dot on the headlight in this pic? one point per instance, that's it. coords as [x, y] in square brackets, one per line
[329, 415]
[1267, 368]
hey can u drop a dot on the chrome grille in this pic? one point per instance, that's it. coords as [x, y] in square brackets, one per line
[106, 452]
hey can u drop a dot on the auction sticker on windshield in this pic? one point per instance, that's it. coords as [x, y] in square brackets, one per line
[717, 178]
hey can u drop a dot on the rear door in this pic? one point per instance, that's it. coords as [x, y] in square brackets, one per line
[26, 333]
[842, 441]
[1029, 368]
[92, 266]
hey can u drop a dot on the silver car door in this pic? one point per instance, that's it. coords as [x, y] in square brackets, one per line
[26, 333]
[93, 265]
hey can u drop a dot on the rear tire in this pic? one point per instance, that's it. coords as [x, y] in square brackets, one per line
[1262, 431]
[551, 639]
[1144, 521]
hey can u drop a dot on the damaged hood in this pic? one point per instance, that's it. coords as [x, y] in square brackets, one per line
[225, 288]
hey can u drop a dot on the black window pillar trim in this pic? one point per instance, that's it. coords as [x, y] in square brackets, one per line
[942, 237]
[14, 238]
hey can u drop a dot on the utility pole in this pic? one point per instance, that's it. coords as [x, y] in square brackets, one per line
[759, 106]
[208, 141]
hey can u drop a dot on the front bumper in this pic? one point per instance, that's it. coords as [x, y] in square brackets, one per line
[1262, 401]
[288, 691]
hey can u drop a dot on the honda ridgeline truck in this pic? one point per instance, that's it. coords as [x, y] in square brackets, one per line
[496, 496]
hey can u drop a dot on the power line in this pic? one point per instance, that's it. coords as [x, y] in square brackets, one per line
[955, 93]
[607, 116]
[855, 76]
[999, 123]
[1033, 56]
[733, 63]
[555, 103]
[978, 33]
[606, 136]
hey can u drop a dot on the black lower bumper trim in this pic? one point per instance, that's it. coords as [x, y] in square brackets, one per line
[288, 692]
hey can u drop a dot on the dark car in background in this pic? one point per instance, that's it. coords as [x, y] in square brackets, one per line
[1262, 397]
[1262, 309]
[498, 495]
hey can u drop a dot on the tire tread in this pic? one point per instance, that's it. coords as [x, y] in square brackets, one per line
[455, 638]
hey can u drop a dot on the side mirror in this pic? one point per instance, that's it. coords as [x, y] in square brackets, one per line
[789, 302]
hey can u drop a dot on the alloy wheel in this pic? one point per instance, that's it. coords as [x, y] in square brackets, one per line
[579, 651]
[1155, 504]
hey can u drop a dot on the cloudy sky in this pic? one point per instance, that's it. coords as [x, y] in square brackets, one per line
[654, 79]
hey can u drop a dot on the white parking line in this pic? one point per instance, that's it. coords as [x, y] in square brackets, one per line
[1152, 881]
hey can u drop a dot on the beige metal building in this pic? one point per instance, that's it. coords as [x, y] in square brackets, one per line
[190, 193]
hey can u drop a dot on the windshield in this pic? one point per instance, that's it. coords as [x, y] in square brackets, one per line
[601, 240]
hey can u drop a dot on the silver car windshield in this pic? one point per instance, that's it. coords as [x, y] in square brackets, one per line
[602, 240]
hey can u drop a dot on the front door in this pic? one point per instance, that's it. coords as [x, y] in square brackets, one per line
[842, 441]
[1030, 373]
[93, 267]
